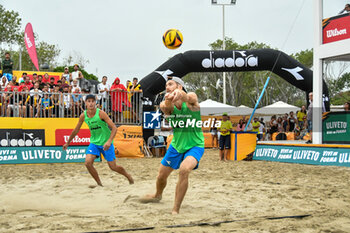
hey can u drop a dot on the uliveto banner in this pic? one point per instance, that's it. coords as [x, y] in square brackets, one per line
[22, 155]
[336, 28]
[30, 44]
[331, 156]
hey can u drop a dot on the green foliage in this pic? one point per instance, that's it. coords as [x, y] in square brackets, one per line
[71, 69]
[341, 98]
[305, 57]
[10, 25]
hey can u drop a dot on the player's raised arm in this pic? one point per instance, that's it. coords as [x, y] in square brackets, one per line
[111, 125]
[75, 131]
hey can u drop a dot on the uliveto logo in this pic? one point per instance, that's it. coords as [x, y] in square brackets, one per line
[242, 61]
[336, 32]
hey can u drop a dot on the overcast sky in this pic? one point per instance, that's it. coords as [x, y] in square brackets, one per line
[124, 38]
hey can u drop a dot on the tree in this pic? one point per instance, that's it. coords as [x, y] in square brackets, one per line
[10, 26]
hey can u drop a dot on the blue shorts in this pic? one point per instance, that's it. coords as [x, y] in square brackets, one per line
[109, 154]
[309, 126]
[174, 159]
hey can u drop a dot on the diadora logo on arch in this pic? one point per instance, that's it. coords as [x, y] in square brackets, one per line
[242, 61]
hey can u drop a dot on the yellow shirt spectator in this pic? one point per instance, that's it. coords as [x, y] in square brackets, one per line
[225, 128]
[301, 116]
[256, 125]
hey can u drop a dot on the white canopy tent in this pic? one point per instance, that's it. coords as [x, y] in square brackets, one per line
[241, 110]
[278, 108]
[211, 107]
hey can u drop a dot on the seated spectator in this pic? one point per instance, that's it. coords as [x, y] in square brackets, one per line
[67, 101]
[51, 83]
[77, 100]
[4, 82]
[240, 125]
[59, 84]
[28, 83]
[33, 103]
[292, 121]
[36, 88]
[24, 76]
[46, 78]
[45, 105]
[347, 106]
[15, 103]
[22, 85]
[56, 100]
[34, 78]
[25, 95]
[75, 86]
[14, 81]
[41, 83]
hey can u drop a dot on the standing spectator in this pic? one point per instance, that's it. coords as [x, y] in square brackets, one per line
[35, 78]
[7, 65]
[76, 74]
[4, 82]
[75, 86]
[240, 125]
[76, 102]
[291, 122]
[225, 137]
[34, 103]
[214, 135]
[118, 99]
[103, 89]
[280, 127]
[41, 83]
[26, 108]
[301, 116]
[128, 84]
[36, 89]
[67, 101]
[273, 126]
[285, 122]
[345, 10]
[256, 127]
[59, 84]
[46, 78]
[347, 106]
[262, 129]
[67, 75]
[309, 117]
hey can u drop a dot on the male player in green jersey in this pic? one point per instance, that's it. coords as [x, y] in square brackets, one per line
[187, 146]
[101, 139]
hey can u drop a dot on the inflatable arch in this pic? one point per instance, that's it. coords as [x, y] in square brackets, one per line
[232, 61]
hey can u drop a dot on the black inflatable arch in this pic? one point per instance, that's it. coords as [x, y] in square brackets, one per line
[232, 61]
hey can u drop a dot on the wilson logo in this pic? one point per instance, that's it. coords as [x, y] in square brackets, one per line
[336, 32]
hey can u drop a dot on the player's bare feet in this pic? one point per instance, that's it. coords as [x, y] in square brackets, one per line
[150, 198]
[175, 211]
[130, 179]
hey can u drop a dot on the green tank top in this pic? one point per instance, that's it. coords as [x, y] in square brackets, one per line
[99, 130]
[186, 134]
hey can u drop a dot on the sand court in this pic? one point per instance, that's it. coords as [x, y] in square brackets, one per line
[64, 198]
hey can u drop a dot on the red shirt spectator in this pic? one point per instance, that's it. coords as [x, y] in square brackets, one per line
[46, 78]
[118, 96]
[28, 83]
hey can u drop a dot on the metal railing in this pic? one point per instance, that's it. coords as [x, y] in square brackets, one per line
[122, 107]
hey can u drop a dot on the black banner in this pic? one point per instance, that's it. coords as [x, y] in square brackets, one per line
[22, 137]
[232, 61]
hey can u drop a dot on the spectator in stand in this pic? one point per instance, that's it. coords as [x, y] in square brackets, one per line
[133, 88]
[35, 78]
[4, 82]
[75, 86]
[103, 89]
[22, 85]
[41, 83]
[240, 125]
[33, 102]
[55, 100]
[51, 83]
[128, 83]
[262, 129]
[45, 88]
[67, 75]
[26, 106]
[24, 76]
[7, 65]
[285, 122]
[67, 101]
[36, 88]
[46, 78]
[78, 75]
[28, 83]
[14, 81]
[345, 10]
[301, 116]
[15, 103]
[292, 121]
[118, 99]
[59, 84]
[280, 128]
[76, 102]
[45, 105]
[347, 106]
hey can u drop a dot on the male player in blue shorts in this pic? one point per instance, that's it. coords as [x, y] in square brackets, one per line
[101, 139]
[187, 146]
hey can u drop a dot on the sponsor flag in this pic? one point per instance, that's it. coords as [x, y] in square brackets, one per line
[30, 44]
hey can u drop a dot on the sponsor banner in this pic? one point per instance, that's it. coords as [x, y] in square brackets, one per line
[129, 132]
[22, 137]
[30, 44]
[21, 155]
[328, 156]
[336, 28]
[82, 138]
[151, 120]
[336, 128]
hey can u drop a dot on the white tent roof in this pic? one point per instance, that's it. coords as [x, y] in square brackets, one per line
[241, 110]
[277, 108]
[211, 107]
